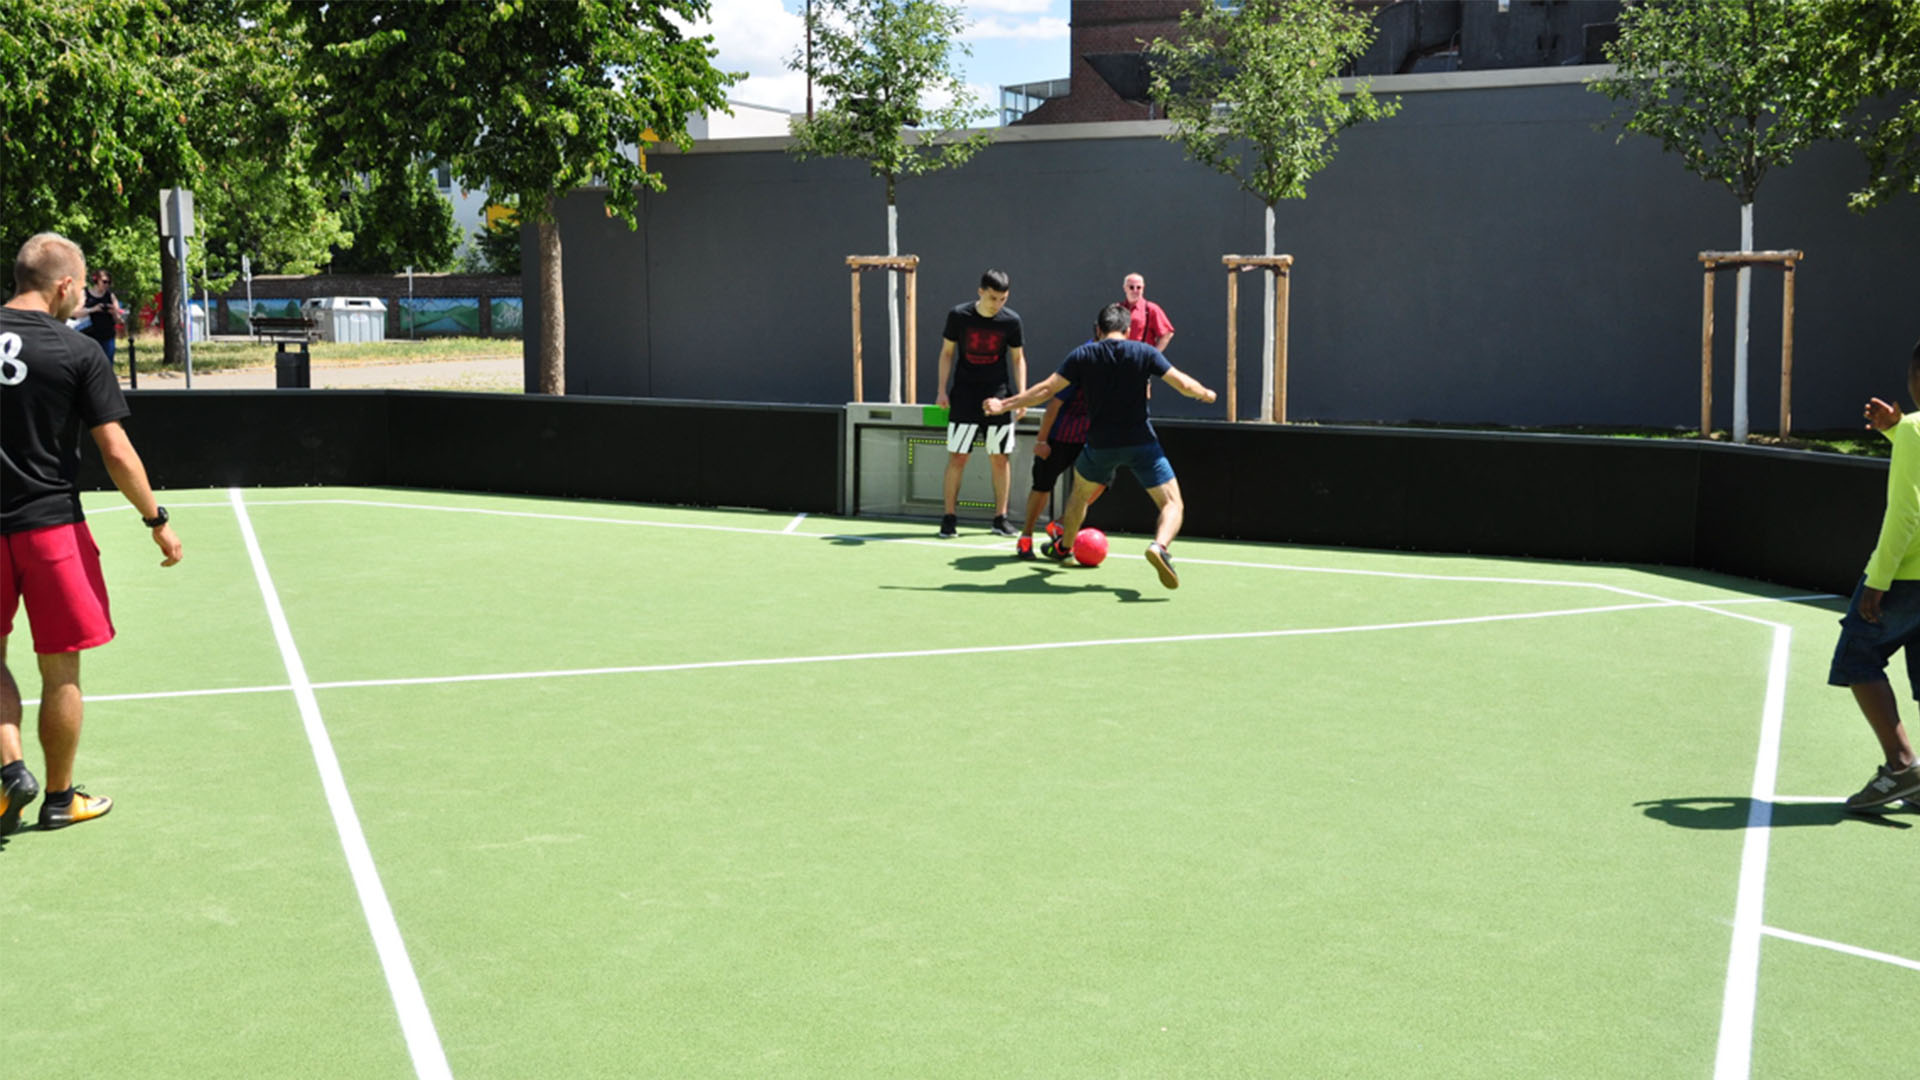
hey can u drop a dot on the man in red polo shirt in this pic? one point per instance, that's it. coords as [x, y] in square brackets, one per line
[53, 381]
[1150, 323]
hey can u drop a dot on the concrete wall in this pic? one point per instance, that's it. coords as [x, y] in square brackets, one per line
[1488, 255]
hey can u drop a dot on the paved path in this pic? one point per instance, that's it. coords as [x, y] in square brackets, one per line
[497, 374]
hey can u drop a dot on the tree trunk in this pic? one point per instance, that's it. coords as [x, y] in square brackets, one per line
[553, 314]
[1742, 290]
[173, 323]
[1266, 331]
[893, 301]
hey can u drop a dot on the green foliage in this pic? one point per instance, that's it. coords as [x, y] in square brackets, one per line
[525, 99]
[105, 102]
[92, 126]
[1252, 90]
[1732, 86]
[259, 197]
[1875, 45]
[499, 247]
[880, 65]
[398, 219]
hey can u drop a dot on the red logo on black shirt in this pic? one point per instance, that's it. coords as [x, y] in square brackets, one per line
[985, 346]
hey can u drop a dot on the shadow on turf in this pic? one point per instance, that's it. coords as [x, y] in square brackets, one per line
[1045, 579]
[1724, 812]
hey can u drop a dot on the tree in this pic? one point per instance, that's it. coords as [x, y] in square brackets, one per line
[1252, 92]
[1735, 87]
[525, 99]
[91, 128]
[105, 102]
[398, 218]
[882, 66]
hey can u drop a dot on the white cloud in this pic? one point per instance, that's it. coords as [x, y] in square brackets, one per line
[758, 37]
[982, 97]
[1033, 29]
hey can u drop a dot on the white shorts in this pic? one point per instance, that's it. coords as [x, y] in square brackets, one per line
[960, 437]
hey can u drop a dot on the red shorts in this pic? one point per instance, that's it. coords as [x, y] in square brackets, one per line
[56, 570]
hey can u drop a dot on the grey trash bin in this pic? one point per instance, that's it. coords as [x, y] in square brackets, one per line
[348, 318]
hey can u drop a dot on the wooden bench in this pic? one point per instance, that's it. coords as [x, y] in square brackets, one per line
[284, 328]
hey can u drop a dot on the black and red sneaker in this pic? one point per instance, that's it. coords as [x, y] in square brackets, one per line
[1024, 546]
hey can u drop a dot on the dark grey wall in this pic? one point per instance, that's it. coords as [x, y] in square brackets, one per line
[1488, 255]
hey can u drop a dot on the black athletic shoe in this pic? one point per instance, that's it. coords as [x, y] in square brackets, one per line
[1024, 548]
[1163, 565]
[1001, 527]
[949, 527]
[83, 807]
[14, 797]
[1054, 549]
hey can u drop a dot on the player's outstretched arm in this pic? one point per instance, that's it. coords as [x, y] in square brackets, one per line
[130, 476]
[1032, 395]
[1188, 385]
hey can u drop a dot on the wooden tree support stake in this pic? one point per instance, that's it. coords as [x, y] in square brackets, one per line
[1282, 266]
[1730, 260]
[908, 266]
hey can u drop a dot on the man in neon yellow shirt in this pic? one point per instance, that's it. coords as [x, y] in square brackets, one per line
[1884, 615]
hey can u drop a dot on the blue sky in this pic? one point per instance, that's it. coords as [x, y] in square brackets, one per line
[1013, 41]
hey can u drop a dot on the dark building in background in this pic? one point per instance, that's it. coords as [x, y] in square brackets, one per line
[1110, 74]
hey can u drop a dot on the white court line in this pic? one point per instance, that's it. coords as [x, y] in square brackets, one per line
[974, 650]
[905, 654]
[1734, 1056]
[1850, 950]
[416, 1023]
[1733, 1059]
[792, 525]
[1186, 560]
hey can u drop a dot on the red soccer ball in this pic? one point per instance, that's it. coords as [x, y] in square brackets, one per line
[1090, 547]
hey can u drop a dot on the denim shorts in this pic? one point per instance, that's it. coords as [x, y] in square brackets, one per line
[1147, 464]
[1864, 648]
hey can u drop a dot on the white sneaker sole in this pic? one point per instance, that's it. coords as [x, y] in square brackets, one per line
[1162, 567]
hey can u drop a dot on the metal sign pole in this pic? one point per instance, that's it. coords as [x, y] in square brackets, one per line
[186, 312]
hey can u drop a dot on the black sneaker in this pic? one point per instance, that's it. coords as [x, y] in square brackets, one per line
[949, 527]
[1002, 528]
[14, 797]
[1024, 548]
[83, 807]
[1054, 549]
[1163, 565]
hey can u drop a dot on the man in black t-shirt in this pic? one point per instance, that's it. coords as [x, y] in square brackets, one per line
[53, 382]
[982, 355]
[1113, 374]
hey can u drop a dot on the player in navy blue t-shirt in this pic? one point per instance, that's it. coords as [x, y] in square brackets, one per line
[1112, 374]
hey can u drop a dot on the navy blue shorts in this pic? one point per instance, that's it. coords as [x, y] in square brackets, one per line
[1147, 464]
[1864, 648]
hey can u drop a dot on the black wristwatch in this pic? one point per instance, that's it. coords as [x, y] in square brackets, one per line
[157, 520]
